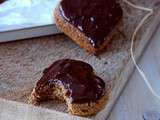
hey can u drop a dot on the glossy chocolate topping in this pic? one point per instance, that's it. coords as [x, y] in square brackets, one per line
[95, 18]
[1, 1]
[78, 79]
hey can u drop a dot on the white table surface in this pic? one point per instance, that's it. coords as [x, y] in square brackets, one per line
[136, 97]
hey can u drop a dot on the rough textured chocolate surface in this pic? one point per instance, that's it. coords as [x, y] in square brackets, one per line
[77, 77]
[95, 18]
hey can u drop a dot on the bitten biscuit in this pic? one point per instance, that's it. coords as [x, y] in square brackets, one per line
[73, 82]
[90, 27]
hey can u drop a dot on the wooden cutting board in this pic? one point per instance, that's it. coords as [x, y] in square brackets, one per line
[22, 63]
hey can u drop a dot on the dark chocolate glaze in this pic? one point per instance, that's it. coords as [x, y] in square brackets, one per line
[1, 1]
[78, 79]
[95, 18]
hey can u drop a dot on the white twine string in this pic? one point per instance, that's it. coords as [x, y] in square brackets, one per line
[132, 43]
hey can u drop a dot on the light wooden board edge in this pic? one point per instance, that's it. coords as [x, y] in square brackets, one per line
[31, 32]
[22, 111]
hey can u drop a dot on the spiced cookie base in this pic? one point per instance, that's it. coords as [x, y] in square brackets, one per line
[81, 109]
[79, 37]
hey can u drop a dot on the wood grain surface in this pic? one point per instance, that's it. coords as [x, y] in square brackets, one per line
[136, 98]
